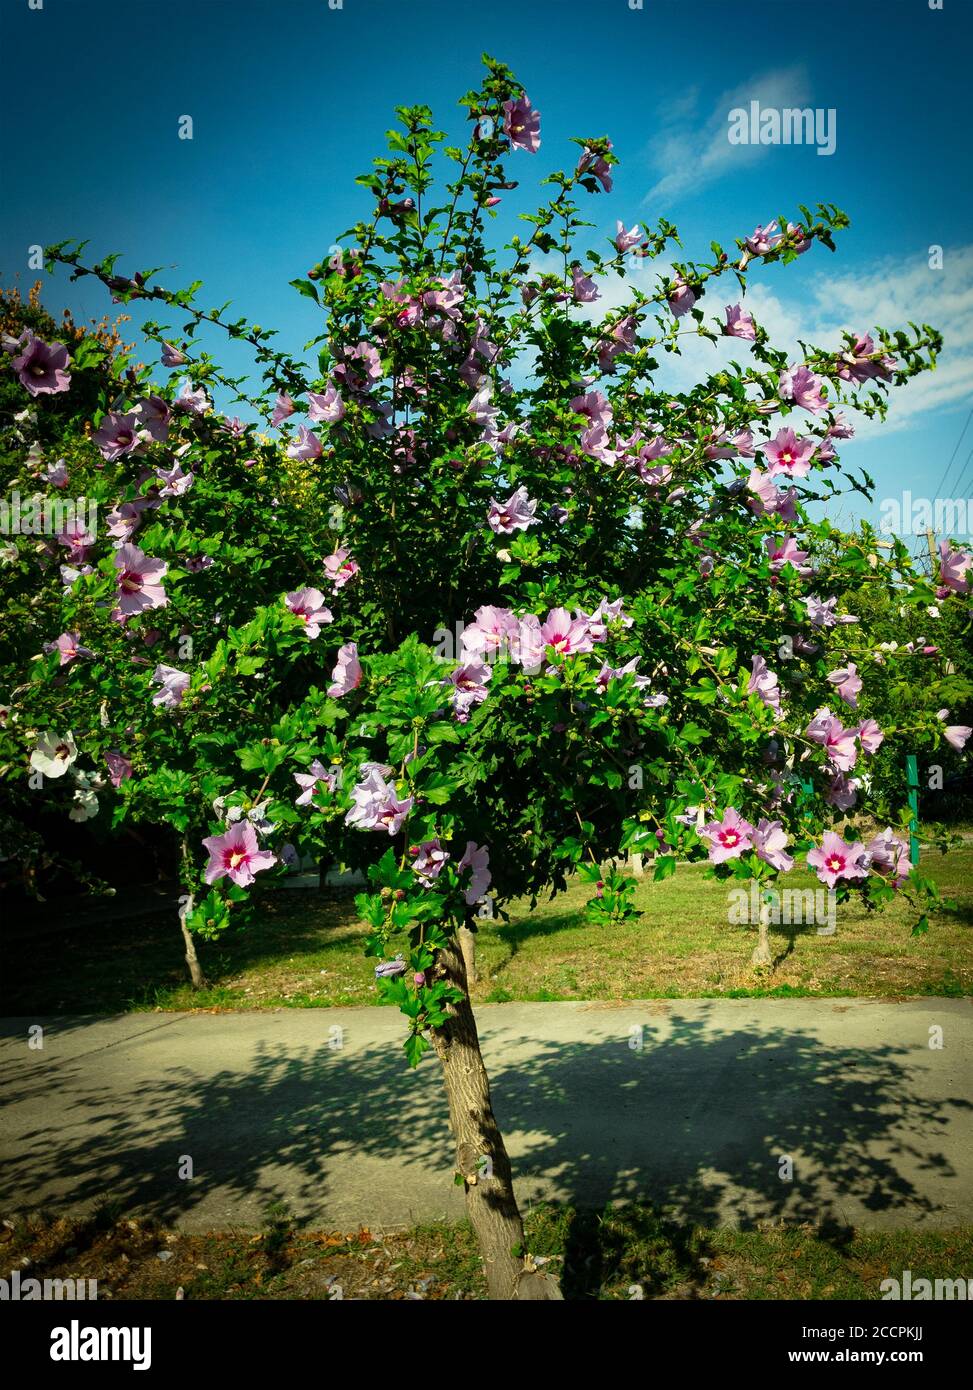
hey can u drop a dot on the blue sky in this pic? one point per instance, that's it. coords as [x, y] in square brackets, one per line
[291, 101]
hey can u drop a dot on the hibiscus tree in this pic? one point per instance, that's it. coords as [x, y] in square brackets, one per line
[569, 618]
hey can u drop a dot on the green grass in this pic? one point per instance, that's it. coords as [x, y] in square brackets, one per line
[305, 951]
[616, 1253]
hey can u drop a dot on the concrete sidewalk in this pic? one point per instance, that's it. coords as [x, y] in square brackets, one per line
[695, 1104]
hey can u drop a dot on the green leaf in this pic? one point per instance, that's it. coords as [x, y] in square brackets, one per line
[415, 1045]
[665, 867]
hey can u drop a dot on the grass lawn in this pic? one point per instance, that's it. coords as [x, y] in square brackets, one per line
[306, 951]
[618, 1253]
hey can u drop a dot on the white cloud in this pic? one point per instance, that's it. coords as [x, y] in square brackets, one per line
[817, 306]
[687, 157]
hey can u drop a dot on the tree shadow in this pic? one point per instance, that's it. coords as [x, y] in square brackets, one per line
[702, 1123]
[517, 932]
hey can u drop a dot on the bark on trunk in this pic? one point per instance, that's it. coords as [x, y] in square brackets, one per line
[762, 953]
[481, 1155]
[192, 960]
[467, 944]
[196, 975]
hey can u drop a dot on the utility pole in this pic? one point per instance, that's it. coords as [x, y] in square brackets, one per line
[933, 556]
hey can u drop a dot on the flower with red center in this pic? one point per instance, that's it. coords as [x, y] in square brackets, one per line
[595, 166]
[763, 682]
[308, 781]
[889, 853]
[308, 605]
[193, 402]
[56, 474]
[522, 125]
[625, 240]
[565, 634]
[173, 686]
[786, 552]
[139, 582]
[583, 288]
[835, 859]
[67, 646]
[174, 481]
[862, 363]
[837, 741]
[236, 855]
[155, 417]
[729, 838]
[53, 755]
[870, 736]
[306, 445]
[786, 453]
[428, 860]
[377, 805]
[283, 408]
[41, 367]
[326, 406]
[770, 842]
[491, 630]
[118, 435]
[340, 568]
[516, 514]
[761, 239]
[469, 682]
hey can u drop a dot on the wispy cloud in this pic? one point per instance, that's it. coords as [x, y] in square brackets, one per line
[691, 149]
[816, 305]
[888, 292]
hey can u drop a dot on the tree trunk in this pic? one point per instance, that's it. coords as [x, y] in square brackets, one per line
[467, 944]
[185, 909]
[762, 953]
[192, 960]
[481, 1155]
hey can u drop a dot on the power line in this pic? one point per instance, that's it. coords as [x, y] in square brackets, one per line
[961, 484]
[939, 490]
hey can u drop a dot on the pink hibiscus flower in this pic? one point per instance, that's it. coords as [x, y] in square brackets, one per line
[236, 855]
[308, 605]
[347, 673]
[836, 860]
[729, 838]
[139, 582]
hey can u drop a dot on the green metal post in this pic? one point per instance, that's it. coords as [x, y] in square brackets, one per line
[912, 776]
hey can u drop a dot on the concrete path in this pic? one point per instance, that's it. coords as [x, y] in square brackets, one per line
[694, 1104]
